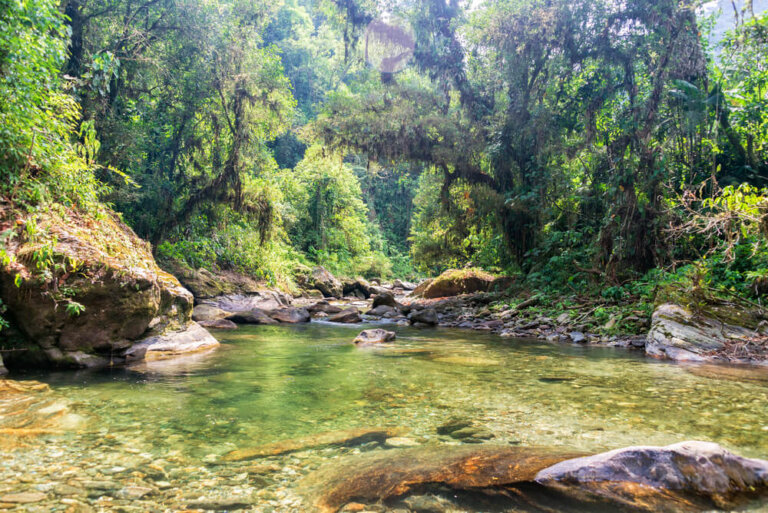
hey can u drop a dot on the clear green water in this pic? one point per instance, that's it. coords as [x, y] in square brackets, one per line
[273, 383]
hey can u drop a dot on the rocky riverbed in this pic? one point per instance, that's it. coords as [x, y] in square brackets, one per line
[257, 424]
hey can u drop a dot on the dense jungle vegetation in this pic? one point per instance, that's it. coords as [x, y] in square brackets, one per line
[590, 146]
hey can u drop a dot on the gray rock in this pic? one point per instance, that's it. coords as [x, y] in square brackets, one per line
[425, 504]
[381, 311]
[348, 316]
[677, 334]
[23, 497]
[426, 316]
[472, 433]
[207, 313]
[254, 316]
[375, 336]
[171, 343]
[326, 283]
[405, 285]
[700, 470]
[577, 337]
[263, 300]
[3, 370]
[384, 298]
[221, 504]
[291, 315]
[219, 324]
[358, 288]
[85, 360]
[134, 492]
[324, 307]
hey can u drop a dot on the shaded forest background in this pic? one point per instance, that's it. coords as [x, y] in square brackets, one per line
[589, 146]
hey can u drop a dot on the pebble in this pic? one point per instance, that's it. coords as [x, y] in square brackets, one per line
[399, 441]
[23, 497]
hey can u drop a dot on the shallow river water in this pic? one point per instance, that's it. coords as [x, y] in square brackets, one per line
[165, 424]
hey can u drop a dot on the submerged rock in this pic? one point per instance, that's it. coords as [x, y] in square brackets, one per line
[222, 504]
[376, 336]
[677, 334]
[29, 409]
[743, 374]
[383, 475]
[688, 476]
[347, 437]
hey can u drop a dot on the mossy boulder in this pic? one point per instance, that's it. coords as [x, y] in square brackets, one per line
[84, 289]
[459, 281]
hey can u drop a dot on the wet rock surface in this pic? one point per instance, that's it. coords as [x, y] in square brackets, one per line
[689, 476]
[29, 409]
[380, 476]
[346, 316]
[191, 339]
[375, 336]
[291, 315]
[346, 437]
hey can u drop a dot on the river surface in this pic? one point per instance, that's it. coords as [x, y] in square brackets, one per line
[273, 383]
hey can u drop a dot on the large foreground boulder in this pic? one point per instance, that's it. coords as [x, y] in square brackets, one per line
[677, 333]
[84, 291]
[458, 281]
[378, 476]
[687, 476]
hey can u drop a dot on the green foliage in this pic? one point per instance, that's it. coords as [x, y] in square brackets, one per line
[38, 161]
[227, 240]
